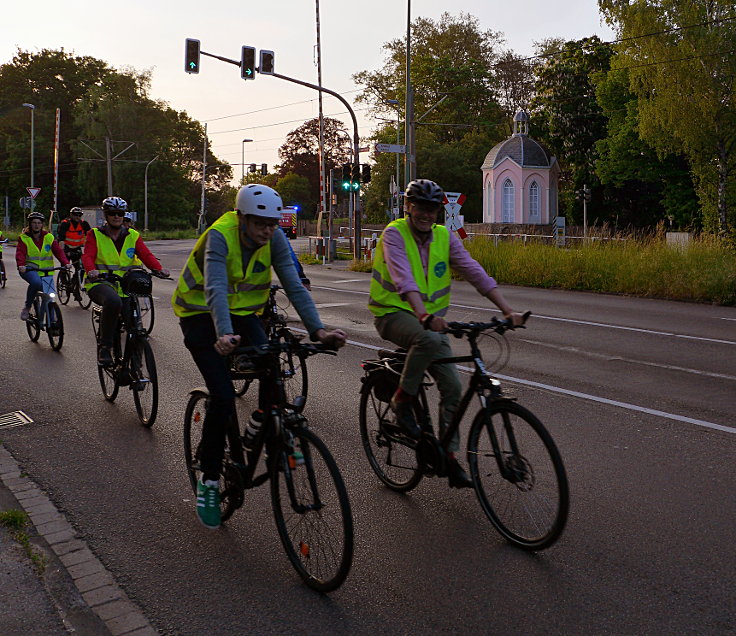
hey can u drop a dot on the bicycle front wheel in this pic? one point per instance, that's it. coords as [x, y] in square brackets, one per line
[144, 381]
[63, 284]
[84, 300]
[33, 326]
[294, 374]
[147, 312]
[312, 512]
[240, 386]
[55, 330]
[518, 475]
[108, 382]
[231, 488]
[388, 450]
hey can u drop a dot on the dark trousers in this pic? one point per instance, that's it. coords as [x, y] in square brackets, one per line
[200, 337]
[112, 304]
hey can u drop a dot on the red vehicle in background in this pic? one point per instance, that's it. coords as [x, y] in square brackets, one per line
[288, 220]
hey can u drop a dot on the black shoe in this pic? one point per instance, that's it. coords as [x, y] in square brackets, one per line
[457, 477]
[405, 418]
[104, 357]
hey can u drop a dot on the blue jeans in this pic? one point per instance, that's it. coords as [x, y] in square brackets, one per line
[35, 285]
[199, 338]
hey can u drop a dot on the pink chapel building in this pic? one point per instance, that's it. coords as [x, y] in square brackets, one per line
[520, 179]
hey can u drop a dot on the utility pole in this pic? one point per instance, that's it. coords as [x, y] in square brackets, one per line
[33, 111]
[410, 165]
[145, 195]
[200, 224]
[108, 154]
[321, 131]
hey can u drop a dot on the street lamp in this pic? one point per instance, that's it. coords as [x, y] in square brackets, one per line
[242, 161]
[33, 109]
[395, 102]
[145, 195]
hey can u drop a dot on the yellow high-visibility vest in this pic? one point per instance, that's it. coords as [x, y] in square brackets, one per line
[42, 258]
[247, 291]
[112, 261]
[434, 287]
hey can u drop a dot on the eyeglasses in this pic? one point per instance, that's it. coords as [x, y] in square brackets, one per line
[76, 214]
[426, 208]
[114, 213]
[262, 224]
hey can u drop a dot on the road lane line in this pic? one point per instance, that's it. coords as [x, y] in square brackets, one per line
[578, 322]
[578, 394]
[350, 280]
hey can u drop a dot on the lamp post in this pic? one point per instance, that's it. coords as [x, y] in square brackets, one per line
[145, 195]
[33, 109]
[242, 160]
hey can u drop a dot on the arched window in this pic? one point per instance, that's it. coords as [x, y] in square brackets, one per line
[508, 201]
[534, 201]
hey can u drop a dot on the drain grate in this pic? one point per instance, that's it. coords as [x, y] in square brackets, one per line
[16, 418]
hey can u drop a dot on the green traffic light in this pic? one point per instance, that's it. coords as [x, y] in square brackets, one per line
[346, 185]
[355, 185]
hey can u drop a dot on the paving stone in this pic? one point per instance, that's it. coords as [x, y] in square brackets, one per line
[101, 595]
[29, 493]
[37, 500]
[145, 631]
[60, 537]
[114, 608]
[45, 517]
[45, 507]
[91, 566]
[72, 558]
[52, 527]
[93, 581]
[126, 623]
[68, 546]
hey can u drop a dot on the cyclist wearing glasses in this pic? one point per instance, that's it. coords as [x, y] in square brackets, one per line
[34, 256]
[409, 296]
[224, 284]
[112, 249]
[72, 234]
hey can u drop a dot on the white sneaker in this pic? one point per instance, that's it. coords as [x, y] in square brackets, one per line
[24, 314]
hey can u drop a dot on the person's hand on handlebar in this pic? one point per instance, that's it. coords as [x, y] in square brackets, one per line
[434, 323]
[226, 344]
[334, 339]
[517, 319]
[162, 273]
[69, 267]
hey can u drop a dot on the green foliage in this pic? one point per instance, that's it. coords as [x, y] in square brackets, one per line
[99, 102]
[703, 272]
[16, 521]
[681, 63]
[294, 190]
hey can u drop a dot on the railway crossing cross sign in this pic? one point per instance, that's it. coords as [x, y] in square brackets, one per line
[453, 202]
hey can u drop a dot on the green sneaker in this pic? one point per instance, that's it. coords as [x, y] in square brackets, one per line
[208, 504]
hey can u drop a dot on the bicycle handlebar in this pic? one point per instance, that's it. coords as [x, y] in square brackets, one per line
[116, 278]
[270, 348]
[458, 329]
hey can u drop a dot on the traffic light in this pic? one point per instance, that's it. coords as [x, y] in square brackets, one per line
[365, 175]
[347, 176]
[266, 65]
[252, 167]
[248, 62]
[355, 179]
[264, 168]
[191, 56]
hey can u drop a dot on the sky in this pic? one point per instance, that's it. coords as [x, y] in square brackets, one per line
[150, 35]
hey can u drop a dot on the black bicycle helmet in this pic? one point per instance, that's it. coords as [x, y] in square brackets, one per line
[424, 190]
[114, 203]
[35, 215]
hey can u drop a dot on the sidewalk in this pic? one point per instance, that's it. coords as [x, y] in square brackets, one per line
[74, 593]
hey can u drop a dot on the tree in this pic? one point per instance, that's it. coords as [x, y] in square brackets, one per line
[295, 191]
[300, 153]
[452, 59]
[514, 83]
[567, 116]
[681, 64]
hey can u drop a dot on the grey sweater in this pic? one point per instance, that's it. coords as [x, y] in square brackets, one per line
[216, 282]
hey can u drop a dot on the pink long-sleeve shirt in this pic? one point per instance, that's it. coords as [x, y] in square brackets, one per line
[394, 254]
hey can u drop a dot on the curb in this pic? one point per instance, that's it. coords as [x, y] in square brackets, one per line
[84, 593]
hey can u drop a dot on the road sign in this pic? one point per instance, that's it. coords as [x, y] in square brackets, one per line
[33, 192]
[27, 203]
[401, 149]
[453, 202]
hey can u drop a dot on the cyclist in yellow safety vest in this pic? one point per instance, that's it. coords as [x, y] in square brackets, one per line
[113, 249]
[409, 297]
[223, 285]
[34, 256]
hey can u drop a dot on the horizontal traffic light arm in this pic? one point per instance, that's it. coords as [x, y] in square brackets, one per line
[219, 57]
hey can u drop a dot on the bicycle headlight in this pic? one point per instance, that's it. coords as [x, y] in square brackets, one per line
[52, 295]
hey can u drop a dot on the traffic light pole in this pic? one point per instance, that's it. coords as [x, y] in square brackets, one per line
[356, 151]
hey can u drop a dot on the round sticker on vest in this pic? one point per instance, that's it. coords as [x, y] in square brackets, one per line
[258, 267]
[130, 252]
[440, 269]
[47, 248]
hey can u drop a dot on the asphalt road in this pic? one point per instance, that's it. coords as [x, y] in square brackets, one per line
[638, 394]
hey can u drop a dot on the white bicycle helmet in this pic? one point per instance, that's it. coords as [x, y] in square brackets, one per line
[259, 200]
[75, 210]
[114, 203]
[128, 217]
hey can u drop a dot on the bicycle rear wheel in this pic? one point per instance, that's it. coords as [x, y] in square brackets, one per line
[528, 500]
[55, 330]
[85, 301]
[312, 512]
[144, 381]
[109, 382]
[231, 488]
[33, 326]
[147, 312]
[390, 453]
[63, 284]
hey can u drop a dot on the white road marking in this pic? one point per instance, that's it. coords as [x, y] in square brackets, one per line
[327, 305]
[577, 394]
[351, 280]
[578, 322]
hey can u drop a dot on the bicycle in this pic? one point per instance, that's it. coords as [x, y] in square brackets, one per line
[308, 496]
[517, 471]
[3, 275]
[134, 365]
[72, 284]
[148, 314]
[293, 366]
[44, 314]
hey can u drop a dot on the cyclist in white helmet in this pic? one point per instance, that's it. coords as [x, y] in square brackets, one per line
[223, 285]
